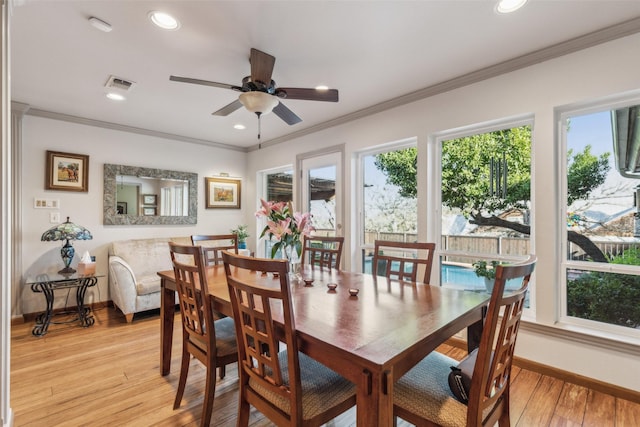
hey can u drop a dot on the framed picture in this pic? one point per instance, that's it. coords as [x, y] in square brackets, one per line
[67, 172]
[149, 199]
[121, 208]
[148, 211]
[222, 193]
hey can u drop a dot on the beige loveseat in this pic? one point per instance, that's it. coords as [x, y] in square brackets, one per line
[134, 284]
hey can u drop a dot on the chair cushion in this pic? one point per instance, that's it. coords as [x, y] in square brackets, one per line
[225, 338]
[322, 388]
[424, 391]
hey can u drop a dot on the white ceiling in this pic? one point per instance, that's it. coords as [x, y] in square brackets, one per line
[372, 51]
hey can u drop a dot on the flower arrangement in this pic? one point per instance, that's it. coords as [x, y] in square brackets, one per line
[285, 226]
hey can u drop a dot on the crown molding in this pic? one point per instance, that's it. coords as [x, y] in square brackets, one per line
[36, 112]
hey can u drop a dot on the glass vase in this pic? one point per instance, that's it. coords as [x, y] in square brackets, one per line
[294, 263]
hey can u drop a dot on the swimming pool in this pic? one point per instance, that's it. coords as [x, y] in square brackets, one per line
[454, 276]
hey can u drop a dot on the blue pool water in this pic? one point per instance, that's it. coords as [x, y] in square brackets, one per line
[454, 276]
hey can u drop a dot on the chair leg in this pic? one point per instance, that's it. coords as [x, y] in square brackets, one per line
[223, 371]
[184, 371]
[209, 394]
[243, 412]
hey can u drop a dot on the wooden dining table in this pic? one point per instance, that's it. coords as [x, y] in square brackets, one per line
[371, 339]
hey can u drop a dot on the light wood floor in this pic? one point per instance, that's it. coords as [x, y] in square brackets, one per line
[108, 374]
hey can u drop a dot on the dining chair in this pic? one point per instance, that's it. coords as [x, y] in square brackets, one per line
[213, 343]
[424, 396]
[325, 251]
[214, 244]
[288, 387]
[390, 259]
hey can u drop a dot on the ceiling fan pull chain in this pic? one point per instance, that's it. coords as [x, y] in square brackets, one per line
[259, 114]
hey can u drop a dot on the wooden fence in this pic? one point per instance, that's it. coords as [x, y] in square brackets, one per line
[500, 245]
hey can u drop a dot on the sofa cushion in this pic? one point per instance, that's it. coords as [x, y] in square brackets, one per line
[147, 284]
[146, 256]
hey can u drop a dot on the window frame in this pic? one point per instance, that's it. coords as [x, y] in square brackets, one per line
[436, 184]
[411, 142]
[261, 181]
[590, 327]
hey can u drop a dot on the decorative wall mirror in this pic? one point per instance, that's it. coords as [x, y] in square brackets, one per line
[145, 196]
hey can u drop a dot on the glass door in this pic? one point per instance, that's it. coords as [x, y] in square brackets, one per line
[321, 192]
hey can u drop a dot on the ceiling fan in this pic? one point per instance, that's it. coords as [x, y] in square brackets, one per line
[260, 94]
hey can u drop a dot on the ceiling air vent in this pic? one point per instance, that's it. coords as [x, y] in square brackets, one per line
[119, 83]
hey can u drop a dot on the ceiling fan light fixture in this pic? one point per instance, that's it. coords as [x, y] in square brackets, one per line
[164, 20]
[258, 102]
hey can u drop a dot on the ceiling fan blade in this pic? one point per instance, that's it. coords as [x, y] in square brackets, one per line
[203, 82]
[286, 114]
[261, 66]
[228, 109]
[330, 95]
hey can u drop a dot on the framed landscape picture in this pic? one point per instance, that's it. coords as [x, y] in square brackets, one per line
[149, 199]
[222, 193]
[148, 211]
[67, 172]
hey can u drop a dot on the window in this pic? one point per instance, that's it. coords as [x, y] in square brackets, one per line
[277, 185]
[601, 271]
[485, 181]
[389, 199]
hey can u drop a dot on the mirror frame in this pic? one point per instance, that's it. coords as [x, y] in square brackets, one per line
[109, 200]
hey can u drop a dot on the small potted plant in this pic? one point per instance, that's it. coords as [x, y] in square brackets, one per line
[488, 271]
[242, 233]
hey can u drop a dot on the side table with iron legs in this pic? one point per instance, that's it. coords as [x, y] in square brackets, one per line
[47, 284]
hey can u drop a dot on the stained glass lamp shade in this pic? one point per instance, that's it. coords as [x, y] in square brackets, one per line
[66, 231]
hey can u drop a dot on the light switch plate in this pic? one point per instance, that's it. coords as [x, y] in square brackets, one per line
[54, 217]
[46, 203]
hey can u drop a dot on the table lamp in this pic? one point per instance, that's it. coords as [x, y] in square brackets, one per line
[66, 231]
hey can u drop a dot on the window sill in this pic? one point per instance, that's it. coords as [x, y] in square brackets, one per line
[605, 340]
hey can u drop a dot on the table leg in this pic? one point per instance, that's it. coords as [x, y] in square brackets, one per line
[167, 317]
[474, 332]
[43, 320]
[374, 399]
[84, 313]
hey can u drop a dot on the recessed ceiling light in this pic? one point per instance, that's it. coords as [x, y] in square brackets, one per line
[115, 96]
[239, 126]
[164, 20]
[508, 6]
[322, 87]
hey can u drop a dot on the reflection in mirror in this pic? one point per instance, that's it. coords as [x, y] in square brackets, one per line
[136, 195]
[151, 196]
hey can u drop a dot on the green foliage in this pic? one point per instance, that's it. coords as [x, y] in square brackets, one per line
[242, 233]
[465, 171]
[585, 172]
[629, 257]
[605, 297]
[482, 269]
[400, 167]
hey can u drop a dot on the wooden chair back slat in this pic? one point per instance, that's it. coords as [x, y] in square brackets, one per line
[489, 391]
[325, 251]
[214, 244]
[388, 260]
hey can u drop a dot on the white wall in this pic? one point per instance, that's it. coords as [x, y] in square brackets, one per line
[115, 147]
[598, 72]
